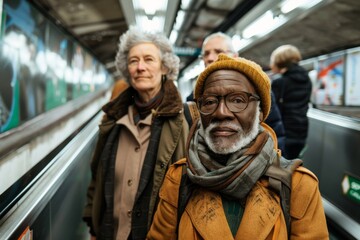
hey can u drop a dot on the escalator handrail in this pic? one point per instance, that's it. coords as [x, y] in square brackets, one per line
[33, 202]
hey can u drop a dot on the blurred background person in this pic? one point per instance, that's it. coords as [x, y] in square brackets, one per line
[142, 133]
[292, 94]
[212, 46]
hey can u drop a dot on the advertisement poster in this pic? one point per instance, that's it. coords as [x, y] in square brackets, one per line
[352, 87]
[56, 59]
[41, 67]
[329, 84]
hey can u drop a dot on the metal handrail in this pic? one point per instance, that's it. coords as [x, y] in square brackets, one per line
[51, 178]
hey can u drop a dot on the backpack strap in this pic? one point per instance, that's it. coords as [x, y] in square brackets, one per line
[191, 112]
[280, 175]
[185, 190]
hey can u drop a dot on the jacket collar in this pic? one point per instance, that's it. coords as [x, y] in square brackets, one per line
[170, 106]
[261, 213]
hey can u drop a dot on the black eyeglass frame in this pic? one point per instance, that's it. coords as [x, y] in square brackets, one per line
[250, 98]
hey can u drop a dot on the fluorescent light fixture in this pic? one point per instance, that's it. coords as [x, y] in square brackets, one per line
[263, 25]
[156, 24]
[185, 4]
[173, 36]
[236, 41]
[154, 18]
[258, 26]
[179, 19]
[151, 7]
[241, 44]
[290, 5]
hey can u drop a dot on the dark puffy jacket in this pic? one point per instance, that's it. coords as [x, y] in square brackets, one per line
[275, 122]
[292, 93]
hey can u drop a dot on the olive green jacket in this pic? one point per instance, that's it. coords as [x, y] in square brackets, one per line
[171, 148]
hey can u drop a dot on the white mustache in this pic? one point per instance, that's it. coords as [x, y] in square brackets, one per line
[230, 125]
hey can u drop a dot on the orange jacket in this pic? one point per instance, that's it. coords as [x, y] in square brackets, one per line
[204, 217]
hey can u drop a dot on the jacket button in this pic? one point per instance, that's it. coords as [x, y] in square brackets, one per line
[129, 212]
[137, 149]
[162, 165]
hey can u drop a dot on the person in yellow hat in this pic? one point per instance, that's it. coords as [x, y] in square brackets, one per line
[230, 152]
[219, 42]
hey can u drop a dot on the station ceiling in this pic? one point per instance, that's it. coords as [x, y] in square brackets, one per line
[330, 26]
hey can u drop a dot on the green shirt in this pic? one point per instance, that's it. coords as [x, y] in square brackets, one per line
[233, 212]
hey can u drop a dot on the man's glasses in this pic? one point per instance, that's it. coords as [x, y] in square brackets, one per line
[235, 102]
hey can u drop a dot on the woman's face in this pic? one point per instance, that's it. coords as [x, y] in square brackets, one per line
[145, 68]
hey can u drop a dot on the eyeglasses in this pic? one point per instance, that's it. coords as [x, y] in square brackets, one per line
[235, 102]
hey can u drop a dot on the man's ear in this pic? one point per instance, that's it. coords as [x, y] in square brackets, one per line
[235, 55]
[261, 116]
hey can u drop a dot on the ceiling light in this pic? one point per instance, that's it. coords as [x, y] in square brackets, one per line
[179, 19]
[150, 7]
[185, 4]
[156, 24]
[259, 26]
[154, 18]
[241, 44]
[236, 41]
[173, 36]
[290, 5]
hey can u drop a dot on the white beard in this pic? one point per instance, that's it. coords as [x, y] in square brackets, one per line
[243, 138]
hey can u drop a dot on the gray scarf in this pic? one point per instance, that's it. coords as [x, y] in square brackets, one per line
[236, 177]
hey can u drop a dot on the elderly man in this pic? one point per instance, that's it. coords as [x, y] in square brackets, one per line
[219, 42]
[229, 153]
[212, 46]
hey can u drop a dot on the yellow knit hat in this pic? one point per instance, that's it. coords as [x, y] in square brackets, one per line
[250, 69]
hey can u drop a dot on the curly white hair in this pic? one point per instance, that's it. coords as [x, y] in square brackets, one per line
[135, 36]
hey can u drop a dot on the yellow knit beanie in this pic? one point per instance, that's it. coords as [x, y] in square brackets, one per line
[250, 69]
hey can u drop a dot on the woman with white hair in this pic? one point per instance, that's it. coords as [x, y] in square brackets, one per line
[143, 132]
